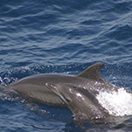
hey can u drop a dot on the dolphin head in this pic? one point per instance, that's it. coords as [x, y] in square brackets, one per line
[80, 101]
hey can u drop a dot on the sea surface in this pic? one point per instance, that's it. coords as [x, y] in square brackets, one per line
[61, 36]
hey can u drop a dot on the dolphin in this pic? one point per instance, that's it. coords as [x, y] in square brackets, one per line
[35, 87]
[85, 106]
[82, 103]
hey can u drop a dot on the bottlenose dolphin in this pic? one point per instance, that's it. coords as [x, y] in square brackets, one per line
[35, 86]
[85, 106]
[82, 103]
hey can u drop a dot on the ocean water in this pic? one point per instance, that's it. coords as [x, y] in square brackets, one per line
[61, 36]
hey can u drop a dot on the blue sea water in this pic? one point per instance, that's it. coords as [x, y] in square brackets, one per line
[60, 36]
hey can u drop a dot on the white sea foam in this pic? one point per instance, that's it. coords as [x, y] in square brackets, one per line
[118, 103]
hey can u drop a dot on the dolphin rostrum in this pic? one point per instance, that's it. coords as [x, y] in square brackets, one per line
[82, 103]
[35, 86]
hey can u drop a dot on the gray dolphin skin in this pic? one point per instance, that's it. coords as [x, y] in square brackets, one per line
[35, 86]
[81, 102]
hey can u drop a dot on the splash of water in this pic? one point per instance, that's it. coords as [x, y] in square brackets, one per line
[118, 103]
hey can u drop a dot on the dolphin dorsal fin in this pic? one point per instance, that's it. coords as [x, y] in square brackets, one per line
[93, 72]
